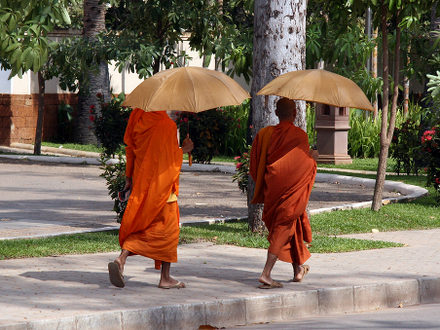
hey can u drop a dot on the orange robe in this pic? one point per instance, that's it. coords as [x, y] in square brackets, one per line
[150, 226]
[284, 174]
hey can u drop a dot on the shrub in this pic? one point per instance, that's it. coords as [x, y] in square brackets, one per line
[363, 136]
[110, 123]
[242, 170]
[65, 123]
[405, 147]
[110, 126]
[431, 145]
[114, 175]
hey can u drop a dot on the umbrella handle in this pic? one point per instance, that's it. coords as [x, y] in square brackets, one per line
[190, 159]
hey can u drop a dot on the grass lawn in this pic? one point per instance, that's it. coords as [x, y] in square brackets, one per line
[74, 146]
[364, 164]
[228, 233]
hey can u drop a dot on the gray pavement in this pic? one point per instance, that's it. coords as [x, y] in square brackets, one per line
[73, 292]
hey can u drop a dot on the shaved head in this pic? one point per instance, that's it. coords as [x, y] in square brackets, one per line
[286, 109]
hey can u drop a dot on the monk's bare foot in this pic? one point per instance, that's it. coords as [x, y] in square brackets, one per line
[120, 264]
[171, 283]
[299, 271]
[265, 280]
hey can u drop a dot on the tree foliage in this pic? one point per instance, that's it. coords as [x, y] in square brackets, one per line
[24, 29]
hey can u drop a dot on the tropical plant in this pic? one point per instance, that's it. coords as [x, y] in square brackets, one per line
[431, 145]
[114, 175]
[207, 130]
[241, 175]
[405, 147]
[65, 123]
[110, 123]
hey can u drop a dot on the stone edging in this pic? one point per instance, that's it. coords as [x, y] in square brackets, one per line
[258, 309]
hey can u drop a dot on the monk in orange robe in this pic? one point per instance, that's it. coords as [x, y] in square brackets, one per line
[284, 168]
[150, 225]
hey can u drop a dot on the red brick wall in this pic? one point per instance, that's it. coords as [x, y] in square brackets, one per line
[18, 116]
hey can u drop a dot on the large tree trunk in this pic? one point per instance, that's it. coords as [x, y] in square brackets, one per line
[97, 81]
[279, 47]
[387, 130]
[40, 116]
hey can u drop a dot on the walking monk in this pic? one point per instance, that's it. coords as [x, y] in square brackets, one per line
[150, 226]
[284, 172]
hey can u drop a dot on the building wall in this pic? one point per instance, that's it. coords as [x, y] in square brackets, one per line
[18, 116]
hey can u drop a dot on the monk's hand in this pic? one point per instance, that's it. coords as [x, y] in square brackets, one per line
[187, 145]
[128, 183]
[314, 154]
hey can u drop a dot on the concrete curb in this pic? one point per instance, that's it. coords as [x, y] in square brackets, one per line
[258, 309]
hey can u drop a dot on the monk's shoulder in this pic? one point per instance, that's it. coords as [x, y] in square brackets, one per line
[265, 130]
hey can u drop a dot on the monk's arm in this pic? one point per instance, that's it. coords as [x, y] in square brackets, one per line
[129, 152]
[254, 160]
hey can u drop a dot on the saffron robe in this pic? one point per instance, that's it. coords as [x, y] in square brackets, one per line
[150, 225]
[284, 174]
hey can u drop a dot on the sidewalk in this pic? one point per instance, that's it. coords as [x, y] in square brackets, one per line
[73, 292]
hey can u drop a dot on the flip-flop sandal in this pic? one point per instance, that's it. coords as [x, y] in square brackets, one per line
[178, 285]
[273, 285]
[116, 277]
[306, 270]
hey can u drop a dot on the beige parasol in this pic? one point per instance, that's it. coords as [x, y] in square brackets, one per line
[190, 89]
[318, 86]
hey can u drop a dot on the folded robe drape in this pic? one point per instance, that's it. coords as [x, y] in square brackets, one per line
[150, 225]
[284, 174]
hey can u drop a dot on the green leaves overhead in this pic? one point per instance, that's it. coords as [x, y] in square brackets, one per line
[24, 28]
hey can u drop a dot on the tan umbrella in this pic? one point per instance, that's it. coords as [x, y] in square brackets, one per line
[190, 89]
[318, 86]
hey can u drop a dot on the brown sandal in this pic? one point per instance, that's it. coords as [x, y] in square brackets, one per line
[115, 274]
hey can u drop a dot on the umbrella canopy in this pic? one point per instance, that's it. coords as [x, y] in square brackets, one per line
[319, 86]
[191, 89]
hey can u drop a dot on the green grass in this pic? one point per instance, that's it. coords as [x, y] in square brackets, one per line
[423, 213]
[67, 244]
[228, 233]
[364, 164]
[238, 234]
[74, 146]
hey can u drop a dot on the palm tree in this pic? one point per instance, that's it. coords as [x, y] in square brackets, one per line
[95, 81]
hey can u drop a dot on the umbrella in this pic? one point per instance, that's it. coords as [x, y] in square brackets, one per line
[190, 89]
[318, 86]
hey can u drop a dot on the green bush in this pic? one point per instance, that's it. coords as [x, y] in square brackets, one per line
[364, 135]
[242, 170]
[110, 123]
[220, 131]
[405, 147]
[431, 146]
[65, 123]
[310, 121]
[114, 175]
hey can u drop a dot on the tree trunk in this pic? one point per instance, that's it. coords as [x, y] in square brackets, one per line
[279, 47]
[96, 81]
[40, 116]
[406, 86]
[387, 132]
[374, 71]
[435, 23]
